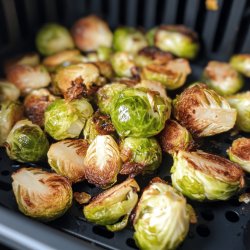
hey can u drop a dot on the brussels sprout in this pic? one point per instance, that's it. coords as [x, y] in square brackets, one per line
[53, 38]
[10, 113]
[67, 158]
[26, 142]
[128, 39]
[162, 219]
[139, 113]
[98, 124]
[82, 198]
[222, 78]
[8, 91]
[174, 137]
[27, 78]
[102, 161]
[173, 75]
[177, 39]
[201, 176]
[203, 112]
[113, 207]
[140, 155]
[241, 63]
[103, 53]
[105, 96]
[241, 102]
[105, 69]
[35, 104]
[90, 33]
[67, 119]
[123, 64]
[239, 152]
[41, 195]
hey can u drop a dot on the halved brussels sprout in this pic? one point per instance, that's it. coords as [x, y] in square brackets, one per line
[102, 162]
[26, 142]
[90, 33]
[67, 119]
[241, 63]
[67, 158]
[222, 78]
[239, 152]
[8, 91]
[241, 102]
[52, 38]
[177, 39]
[10, 113]
[129, 39]
[35, 104]
[113, 207]
[27, 78]
[139, 113]
[140, 155]
[98, 124]
[162, 219]
[41, 195]
[203, 112]
[174, 137]
[202, 176]
[172, 75]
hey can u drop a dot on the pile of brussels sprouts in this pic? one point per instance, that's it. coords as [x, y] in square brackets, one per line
[94, 104]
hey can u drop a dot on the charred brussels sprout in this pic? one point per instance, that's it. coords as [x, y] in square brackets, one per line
[241, 102]
[113, 207]
[222, 78]
[174, 137]
[10, 113]
[162, 219]
[67, 119]
[203, 112]
[53, 38]
[239, 152]
[67, 158]
[102, 161]
[139, 113]
[129, 40]
[41, 195]
[202, 176]
[26, 142]
[241, 63]
[140, 155]
[8, 91]
[90, 33]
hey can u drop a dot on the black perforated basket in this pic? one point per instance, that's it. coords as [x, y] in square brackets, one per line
[221, 225]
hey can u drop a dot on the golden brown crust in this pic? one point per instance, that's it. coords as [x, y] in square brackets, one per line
[162, 69]
[103, 124]
[132, 169]
[241, 148]
[81, 145]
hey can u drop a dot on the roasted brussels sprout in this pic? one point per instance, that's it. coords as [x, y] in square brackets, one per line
[52, 38]
[139, 112]
[90, 33]
[222, 78]
[10, 113]
[103, 53]
[102, 161]
[140, 155]
[177, 39]
[239, 152]
[174, 137]
[162, 219]
[241, 63]
[27, 78]
[26, 142]
[128, 39]
[105, 69]
[203, 112]
[172, 75]
[67, 158]
[8, 91]
[35, 104]
[241, 102]
[200, 176]
[113, 207]
[41, 195]
[67, 119]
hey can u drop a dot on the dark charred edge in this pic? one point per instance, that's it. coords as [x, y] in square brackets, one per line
[103, 123]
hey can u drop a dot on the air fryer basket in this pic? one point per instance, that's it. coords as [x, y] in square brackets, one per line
[221, 225]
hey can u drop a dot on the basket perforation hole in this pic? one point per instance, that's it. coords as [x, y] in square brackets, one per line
[232, 216]
[5, 172]
[203, 230]
[102, 231]
[207, 215]
[5, 186]
[131, 243]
